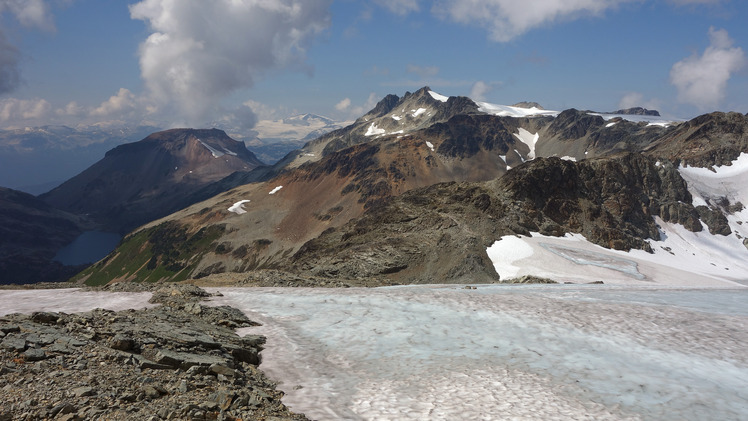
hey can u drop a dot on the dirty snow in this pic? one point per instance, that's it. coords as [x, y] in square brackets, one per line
[503, 352]
[238, 207]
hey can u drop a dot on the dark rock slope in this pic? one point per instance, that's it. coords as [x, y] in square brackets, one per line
[181, 360]
[440, 233]
[31, 233]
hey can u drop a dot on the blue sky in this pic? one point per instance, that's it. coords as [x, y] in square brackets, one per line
[191, 62]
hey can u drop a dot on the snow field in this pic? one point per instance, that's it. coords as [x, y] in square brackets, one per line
[429, 352]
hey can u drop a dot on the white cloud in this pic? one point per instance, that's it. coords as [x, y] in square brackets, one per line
[124, 101]
[506, 19]
[343, 104]
[636, 99]
[24, 110]
[701, 80]
[72, 109]
[399, 7]
[480, 89]
[200, 51]
[30, 13]
[360, 110]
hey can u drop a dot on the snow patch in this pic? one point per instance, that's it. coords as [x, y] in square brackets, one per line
[430, 145]
[418, 112]
[216, 153]
[528, 139]
[569, 158]
[374, 130]
[238, 207]
[438, 97]
[275, 190]
[508, 111]
[396, 117]
[650, 120]
[611, 124]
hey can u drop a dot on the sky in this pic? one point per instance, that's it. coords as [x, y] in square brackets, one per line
[177, 63]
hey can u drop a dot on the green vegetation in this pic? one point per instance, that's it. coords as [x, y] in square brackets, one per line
[165, 252]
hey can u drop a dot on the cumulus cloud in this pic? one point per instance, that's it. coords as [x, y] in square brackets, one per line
[636, 99]
[118, 104]
[701, 80]
[24, 110]
[200, 51]
[507, 19]
[343, 104]
[29, 13]
[480, 89]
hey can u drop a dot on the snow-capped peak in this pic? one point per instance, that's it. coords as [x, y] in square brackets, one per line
[438, 97]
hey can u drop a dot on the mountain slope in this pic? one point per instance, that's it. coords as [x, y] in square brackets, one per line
[138, 182]
[369, 201]
[31, 233]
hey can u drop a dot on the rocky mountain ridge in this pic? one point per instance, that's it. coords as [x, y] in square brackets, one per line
[341, 215]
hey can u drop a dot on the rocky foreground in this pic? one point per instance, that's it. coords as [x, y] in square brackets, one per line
[180, 360]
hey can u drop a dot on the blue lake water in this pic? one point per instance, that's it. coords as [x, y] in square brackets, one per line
[89, 247]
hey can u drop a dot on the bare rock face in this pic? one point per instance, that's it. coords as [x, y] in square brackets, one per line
[138, 182]
[177, 361]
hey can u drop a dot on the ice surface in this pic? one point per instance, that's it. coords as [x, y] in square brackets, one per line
[438, 97]
[508, 111]
[70, 300]
[238, 207]
[498, 352]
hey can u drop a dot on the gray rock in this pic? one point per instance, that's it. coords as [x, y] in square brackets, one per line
[35, 354]
[83, 391]
[13, 342]
[122, 343]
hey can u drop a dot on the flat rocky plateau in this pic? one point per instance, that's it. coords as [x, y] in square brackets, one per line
[181, 360]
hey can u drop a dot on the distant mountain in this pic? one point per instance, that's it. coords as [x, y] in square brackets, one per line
[37, 159]
[637, 111]
[31, 233]
[271, 140]
[138, 182]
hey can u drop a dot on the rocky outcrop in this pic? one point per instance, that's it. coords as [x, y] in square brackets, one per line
[708, 140]
[637, 111]
[181, 360]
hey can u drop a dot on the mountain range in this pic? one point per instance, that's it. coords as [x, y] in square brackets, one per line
[415, 190]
